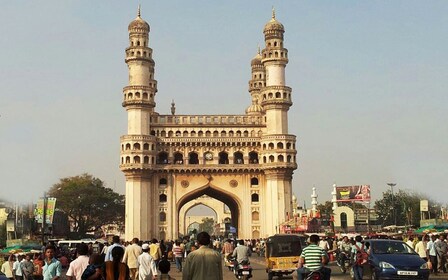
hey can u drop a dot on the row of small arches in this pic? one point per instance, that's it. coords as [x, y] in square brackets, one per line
[277, 95]
[137, 43]
[269, 146]
[138, 53]
[193, 158]
[276, 54]
[207, 133]
[275, 44]
[137, 95]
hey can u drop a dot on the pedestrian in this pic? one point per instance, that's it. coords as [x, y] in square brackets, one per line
[155, 251]
[164, 267]
[441, 250]
[115, 269]
[94, 271]
[147, 269]
[27, 267]
[203, 263]
[116, 243]
[131, 254]
[17, 269]
[178, 254]
[52, 267]
[420, 247]
[7, 267]
[357, 250]
[432, 253]
[78, 266]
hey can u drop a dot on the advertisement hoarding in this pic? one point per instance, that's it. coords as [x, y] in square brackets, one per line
[353, 193]
[424, 205]
[50, 207]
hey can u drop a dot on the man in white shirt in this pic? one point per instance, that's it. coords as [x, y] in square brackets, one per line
[147, 269]
[17, 270]
[78, 266]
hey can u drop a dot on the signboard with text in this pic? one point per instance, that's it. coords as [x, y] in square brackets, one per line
[49, 207]
[353, 193]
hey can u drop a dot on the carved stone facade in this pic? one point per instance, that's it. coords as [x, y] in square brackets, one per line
[245, 161]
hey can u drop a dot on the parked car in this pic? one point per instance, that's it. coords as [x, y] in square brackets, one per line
[393, 259]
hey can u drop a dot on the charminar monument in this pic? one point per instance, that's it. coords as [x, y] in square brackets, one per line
[245, 161]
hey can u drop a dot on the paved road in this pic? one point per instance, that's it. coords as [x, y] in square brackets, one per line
[259, 272]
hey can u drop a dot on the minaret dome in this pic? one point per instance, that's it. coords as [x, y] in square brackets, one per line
[138, 25]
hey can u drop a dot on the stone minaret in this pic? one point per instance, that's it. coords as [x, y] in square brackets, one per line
[256, 83]
[278, 147]
[137, 146]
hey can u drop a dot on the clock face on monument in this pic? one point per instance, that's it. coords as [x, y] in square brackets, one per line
[208, 156]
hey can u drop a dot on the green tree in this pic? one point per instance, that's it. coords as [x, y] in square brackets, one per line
[207, 225]
[404, 205]
[88, 204]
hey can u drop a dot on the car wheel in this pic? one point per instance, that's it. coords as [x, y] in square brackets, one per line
[374, 275]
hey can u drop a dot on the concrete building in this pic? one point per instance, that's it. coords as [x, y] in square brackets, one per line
[245, 161]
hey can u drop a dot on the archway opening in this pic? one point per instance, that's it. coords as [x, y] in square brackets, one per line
[230, 203]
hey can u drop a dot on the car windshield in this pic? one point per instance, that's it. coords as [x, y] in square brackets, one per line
[391, 247]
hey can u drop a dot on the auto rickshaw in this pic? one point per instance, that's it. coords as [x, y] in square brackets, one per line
[282, 254]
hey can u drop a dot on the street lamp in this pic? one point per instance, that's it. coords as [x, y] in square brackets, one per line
[392, 185]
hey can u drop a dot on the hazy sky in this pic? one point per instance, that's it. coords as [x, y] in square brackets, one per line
[369, 80]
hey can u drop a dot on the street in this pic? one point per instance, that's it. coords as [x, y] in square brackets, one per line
[259, 272]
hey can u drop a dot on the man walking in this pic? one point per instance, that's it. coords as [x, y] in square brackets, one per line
[116, 241]
[155, 251]
[78, 266]
[17, 268]
[52, 269]
[432, 253]
[147, 269]
[441, 250]
[27, 268]
[130, 258]
[203, 263]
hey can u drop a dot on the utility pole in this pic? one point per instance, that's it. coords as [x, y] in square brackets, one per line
[44, 217]
[392, 185]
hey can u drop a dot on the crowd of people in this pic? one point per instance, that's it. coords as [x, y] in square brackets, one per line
[431, 248]
[134, 260]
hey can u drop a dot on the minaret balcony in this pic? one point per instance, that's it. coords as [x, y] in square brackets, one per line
[139, 103]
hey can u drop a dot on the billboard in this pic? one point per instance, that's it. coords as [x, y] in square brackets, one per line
[49, 207]
[424, 205]
[353, 193]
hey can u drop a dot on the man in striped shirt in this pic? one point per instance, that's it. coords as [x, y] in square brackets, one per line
[312, 258]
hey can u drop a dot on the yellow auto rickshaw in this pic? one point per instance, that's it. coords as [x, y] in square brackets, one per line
[282, 254]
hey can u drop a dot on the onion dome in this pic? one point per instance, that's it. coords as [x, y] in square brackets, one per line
[257, 59]
[255, 108]
[294, 199]
[273, 24]
[138, 24]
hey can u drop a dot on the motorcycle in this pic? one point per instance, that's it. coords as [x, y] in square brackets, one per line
[242, 270]
[314, 275]
[344, 263]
